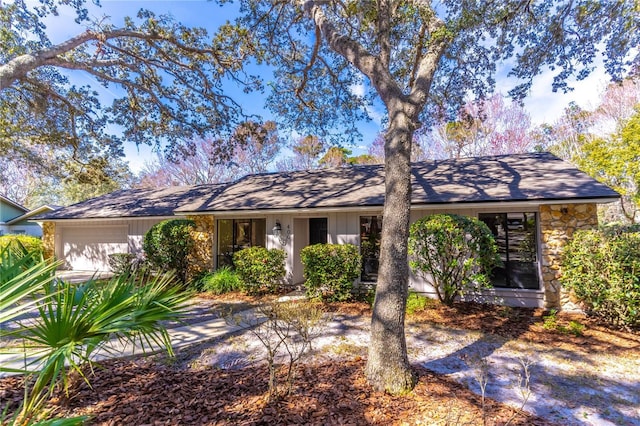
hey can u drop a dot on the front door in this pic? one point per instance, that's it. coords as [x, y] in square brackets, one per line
[318, 230]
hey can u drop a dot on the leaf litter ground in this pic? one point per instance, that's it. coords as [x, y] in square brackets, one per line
[588, 379]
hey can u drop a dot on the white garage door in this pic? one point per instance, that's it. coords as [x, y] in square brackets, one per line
[86, 248]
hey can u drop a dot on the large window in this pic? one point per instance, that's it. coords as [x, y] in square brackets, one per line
[237, 234]
[370, 230]
[515, 234]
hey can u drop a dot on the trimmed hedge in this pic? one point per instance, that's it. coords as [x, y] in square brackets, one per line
[453, 253]
[261, 270]
[330, 270]
[167, 246]
[602, 269]
[33, 244]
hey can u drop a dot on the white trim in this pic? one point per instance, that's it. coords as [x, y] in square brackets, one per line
[63, 222]
[440, 206]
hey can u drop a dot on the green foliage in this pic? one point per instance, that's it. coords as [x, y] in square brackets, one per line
[32, 244]
[261, 270]
[223, 280]
[22, 276]
[417, 302]
[602, 269]
[167, 246]
[78, 320]
[453, 253]
[330, 270]
[41, 105]
[615, 161]
[550, 321]
[121, 263]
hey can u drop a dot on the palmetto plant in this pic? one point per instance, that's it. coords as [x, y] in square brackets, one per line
[77, 320]
[22, 275]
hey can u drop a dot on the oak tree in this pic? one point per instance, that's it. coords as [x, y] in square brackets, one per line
[165, 79]
[420, 59]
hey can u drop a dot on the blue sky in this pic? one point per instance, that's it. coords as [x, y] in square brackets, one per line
[543, 105]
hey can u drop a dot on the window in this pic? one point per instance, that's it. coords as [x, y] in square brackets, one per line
[370, 229]
[516, 236]
[318, 230]
[237, 234]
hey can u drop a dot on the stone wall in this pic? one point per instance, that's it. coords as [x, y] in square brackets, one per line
[48, 239]
[558, 222]
[201, 259]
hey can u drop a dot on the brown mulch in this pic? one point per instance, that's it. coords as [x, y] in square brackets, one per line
[146, 392]
[157, 391]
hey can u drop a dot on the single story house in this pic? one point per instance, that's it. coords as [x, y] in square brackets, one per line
[17, 219]
[532, 203]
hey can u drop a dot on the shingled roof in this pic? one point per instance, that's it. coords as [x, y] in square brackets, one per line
[521, 177]
[509, 178]
[144, 202]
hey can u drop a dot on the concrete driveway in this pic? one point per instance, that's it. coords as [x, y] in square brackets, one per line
[82, 276]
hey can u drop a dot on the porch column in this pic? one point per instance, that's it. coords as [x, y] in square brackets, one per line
[558, 222]
[201, 258]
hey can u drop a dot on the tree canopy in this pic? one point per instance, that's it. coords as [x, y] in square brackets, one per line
[166, 80]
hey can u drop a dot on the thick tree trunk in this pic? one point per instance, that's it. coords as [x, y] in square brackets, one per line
[388, 367]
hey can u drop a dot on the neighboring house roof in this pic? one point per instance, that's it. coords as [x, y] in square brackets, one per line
[14, 210]
[32, 214]
[521, 177]
[145, 202]
[508, 178]
[13, 203]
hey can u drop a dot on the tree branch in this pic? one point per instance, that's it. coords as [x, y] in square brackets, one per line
[369, 64]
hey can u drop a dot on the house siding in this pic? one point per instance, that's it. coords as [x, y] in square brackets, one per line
[555, 227]
[8, 212]
[135, 229]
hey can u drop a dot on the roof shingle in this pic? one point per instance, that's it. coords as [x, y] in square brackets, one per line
[521, 177]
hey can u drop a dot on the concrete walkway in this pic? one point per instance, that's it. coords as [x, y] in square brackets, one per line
[180, 337]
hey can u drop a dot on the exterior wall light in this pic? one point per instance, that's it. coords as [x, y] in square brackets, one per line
[277, 232]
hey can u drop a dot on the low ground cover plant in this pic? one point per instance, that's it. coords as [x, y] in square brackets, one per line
[453, 253]
[261, 270]
[601, 268]
[223, 280]
[330, 270]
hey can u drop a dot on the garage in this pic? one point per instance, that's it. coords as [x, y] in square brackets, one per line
[86, 248]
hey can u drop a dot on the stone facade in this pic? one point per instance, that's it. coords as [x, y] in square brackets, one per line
[48, 239]
[201, 259]
[558, 222]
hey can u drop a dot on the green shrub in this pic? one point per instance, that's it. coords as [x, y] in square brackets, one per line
[453, 253]
[330, 269]
[224, 280]
[167, 246]
[33, 244]
[261, 270]
[602, 269]
[121, 263]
